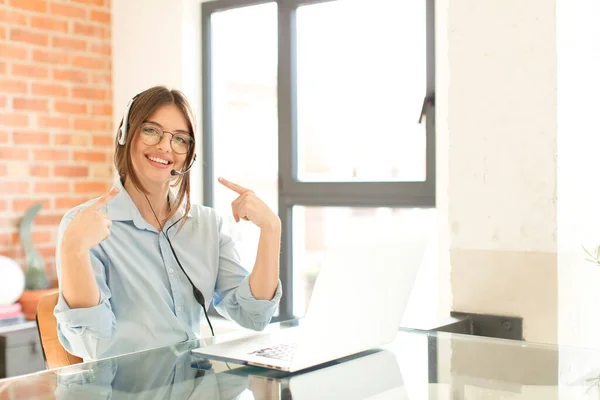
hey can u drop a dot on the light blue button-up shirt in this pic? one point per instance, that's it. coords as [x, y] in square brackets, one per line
[145, 299]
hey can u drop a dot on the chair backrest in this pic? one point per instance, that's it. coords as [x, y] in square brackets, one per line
[54, 353]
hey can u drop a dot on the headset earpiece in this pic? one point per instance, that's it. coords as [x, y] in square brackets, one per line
[123, 129]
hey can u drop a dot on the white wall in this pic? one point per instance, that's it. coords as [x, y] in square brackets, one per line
[157, 42]
[501, 161]
[578, 37]
[442, 79]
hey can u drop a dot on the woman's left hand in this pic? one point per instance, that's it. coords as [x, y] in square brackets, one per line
[250, 208]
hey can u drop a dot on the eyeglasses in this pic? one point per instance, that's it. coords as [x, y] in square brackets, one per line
[152, 134]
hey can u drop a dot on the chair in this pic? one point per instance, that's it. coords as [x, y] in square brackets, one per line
[55, 354]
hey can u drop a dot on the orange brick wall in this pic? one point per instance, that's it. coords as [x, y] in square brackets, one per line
[55, 114]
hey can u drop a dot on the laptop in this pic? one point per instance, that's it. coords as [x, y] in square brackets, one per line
[358, 302]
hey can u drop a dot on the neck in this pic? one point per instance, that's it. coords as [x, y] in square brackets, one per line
[158, 198]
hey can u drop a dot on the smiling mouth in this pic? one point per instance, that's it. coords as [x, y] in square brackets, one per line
[159, 160]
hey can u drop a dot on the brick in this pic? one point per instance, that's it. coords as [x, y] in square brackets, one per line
[28, 104]
[2, 32]
[13, 17]
[70, 75]
[18, 170]
[11, 153]
[30, 5]
[51, 57]
[53, 122]
[3, 205]
[101, 48]
[68, 202]
[91, 187]
[89, 30]
[43, 89]
[39, 170]
[14, 237]
[4, 137]
[90, 156]
[2, 68]
[102, 140]
[67, 11]
[21, 35]
[89, 62]
[46, 252]
[90, 124]
[90, 2]
[3, 101]
[51, 24]
[8, 50]
[89, 94]
[50, 155]
[30, 71]
[44, 220]
[100, 16]
[98, 79]
[70, 171]
[5, 240]
[52, 187]
[31, 138]
[70, 107]
[13, 86]
[15, 187]
[70, 139]
[102, 109]
[69, 44]
[13, 120]
[102, 171]
[41, 236]
[15, 253]
[23, 204]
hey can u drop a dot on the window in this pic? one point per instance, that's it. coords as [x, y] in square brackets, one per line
[326, 110]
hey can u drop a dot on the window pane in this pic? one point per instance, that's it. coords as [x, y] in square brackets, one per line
[321, 234]
[244, 65]
[361, 82]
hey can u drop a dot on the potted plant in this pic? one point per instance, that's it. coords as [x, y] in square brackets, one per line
[37, 284]
[593, 258]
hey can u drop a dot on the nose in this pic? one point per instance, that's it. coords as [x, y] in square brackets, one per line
[165, 143]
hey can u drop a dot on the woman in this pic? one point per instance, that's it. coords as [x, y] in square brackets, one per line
[139, 266]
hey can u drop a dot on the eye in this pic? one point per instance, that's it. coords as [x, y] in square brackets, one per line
[181, 139]
[149, 130]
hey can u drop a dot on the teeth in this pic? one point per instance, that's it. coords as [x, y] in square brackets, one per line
[158, 160]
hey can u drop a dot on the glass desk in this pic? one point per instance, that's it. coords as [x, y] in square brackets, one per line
[416, 365]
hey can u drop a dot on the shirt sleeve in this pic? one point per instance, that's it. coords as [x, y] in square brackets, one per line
[233, 298]
[84, 332]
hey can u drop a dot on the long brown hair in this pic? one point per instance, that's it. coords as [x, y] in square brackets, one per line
[143, 106]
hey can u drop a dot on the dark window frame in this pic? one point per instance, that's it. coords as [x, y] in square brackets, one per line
[292, 191]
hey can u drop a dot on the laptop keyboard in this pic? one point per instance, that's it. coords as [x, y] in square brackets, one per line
[281, 351]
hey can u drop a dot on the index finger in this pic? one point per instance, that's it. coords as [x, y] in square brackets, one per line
[102, 201]
[233, 186]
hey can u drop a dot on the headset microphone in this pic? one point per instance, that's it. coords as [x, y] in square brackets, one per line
[174, 172]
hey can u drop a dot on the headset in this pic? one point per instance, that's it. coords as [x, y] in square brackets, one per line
[121, 138]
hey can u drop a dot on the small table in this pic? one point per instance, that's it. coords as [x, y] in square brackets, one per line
[20, 350]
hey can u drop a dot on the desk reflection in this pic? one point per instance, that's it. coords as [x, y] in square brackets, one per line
[177, 373]
[165, 373]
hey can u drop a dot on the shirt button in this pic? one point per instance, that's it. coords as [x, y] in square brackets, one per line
[179, 308]
[171, 270]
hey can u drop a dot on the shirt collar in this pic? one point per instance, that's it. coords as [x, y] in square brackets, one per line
[122, 208]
